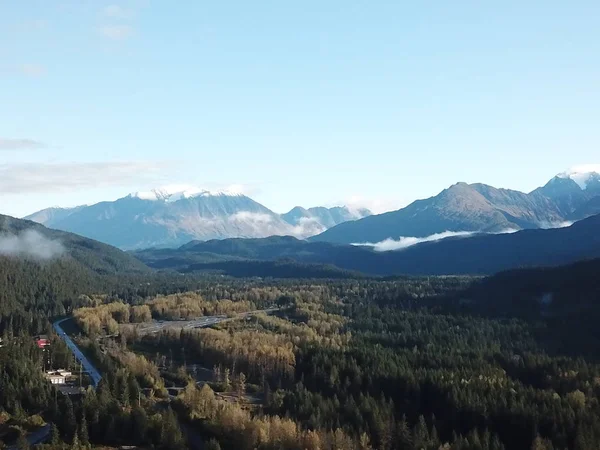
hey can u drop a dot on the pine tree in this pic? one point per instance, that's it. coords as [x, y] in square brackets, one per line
[365, 442]
[75, 444]
[68, 422]
[421, 434]
[22, 442]
[54, 435]
[434, 440]
[226, 380]
[110, 434]
[134, 390]
[84, 437]
[403, 436]
[171, 437]
[212, 445]
[139, 424]
[124, 392]
[496, 443]
[241, 386]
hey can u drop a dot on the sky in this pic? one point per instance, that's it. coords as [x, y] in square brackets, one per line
[368, 103]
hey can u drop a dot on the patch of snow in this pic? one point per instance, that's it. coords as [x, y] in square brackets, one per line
[176, 192]
[581, 174]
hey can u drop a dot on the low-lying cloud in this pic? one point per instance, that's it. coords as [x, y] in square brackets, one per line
[250, 217]
[561, 224]
[407, 241]
[30, 244]
[306, 227]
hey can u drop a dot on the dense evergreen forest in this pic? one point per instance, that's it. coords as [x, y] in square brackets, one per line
[507, 362]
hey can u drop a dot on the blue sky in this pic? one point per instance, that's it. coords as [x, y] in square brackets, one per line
[302, 103]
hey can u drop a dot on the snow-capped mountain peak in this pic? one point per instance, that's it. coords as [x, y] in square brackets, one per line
[582, 175]
[173, 193]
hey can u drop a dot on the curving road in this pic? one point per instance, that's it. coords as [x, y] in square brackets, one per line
[202, 322]
[87, 365]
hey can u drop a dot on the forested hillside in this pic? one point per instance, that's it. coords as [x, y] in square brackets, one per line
[93, 255]
[365, 364]
[481, 254]
[405, 363]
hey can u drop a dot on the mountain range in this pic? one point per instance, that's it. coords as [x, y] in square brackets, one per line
[479, 253]
[463, 207]
[172, 216]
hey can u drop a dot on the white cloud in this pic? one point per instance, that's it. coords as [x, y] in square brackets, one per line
[240, 189]
[560, 224]
[405, 242]
[30, 244]
[116, 32]
[306, 227]
[507, 231]
[20, 144]
[117, 12]
[56, 177]
[375, 205]
[247, 216]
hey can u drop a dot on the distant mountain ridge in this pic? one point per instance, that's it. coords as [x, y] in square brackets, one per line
[478, 254]
[174, 215]
[478, 208]
[52, 215]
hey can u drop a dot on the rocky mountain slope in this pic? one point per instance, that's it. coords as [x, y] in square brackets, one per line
[478, 208]
[172, 216]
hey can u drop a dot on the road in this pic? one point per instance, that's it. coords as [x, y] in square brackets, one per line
[87, 365]
[202, 322]
[147, 328]
[154, 327]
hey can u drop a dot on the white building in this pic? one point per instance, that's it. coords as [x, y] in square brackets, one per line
[58, 376]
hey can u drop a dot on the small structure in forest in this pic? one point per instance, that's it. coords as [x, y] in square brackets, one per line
[58, 376]
[42, 341]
